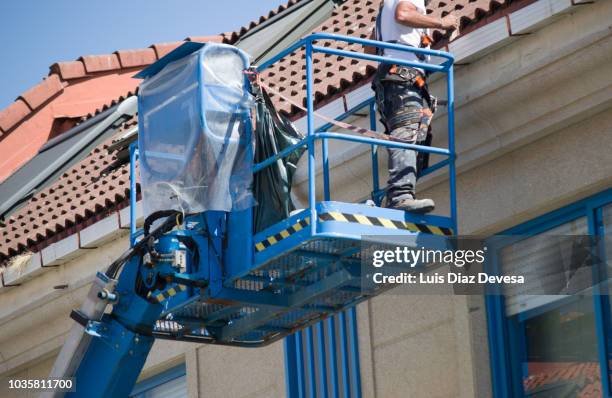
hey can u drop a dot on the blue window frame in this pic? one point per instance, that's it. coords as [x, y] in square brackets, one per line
[171, 383]
[533, 350]
[323, 359]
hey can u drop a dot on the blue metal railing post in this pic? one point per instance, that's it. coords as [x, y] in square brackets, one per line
[344, 360]
[299, 357]
[325, 155]
[311, 141]
[133, 156]
[375, 181]
[355, 371]
[310, 359]
[291, 382]
[322, 359]
[333, 361]
[450, 92]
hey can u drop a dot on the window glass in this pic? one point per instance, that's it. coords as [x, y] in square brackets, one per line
[607, 223]
[551, 264]
[553, 338]
[607, 238]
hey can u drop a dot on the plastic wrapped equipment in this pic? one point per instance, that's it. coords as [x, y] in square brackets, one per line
[195, 144]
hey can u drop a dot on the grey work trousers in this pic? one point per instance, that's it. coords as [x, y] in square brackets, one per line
[400, 103]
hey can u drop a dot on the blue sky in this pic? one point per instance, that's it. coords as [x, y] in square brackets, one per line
[34, 34]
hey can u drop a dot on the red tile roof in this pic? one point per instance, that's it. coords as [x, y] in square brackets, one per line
[79, 196]
[62, 73]
[543, 374]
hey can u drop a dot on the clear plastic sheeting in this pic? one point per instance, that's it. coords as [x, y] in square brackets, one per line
[195, 143]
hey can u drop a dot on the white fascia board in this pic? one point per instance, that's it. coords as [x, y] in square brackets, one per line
[15, 275]
[359, 95]
[481, 41]
[332, 110]
[531, 18]
[72, 246]
[48, 255]
[124, 216]
[61, 251]
[336, 107]
[100, 232]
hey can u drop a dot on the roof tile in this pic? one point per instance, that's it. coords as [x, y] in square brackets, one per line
[37, 95]
[162, 49]
[79, 194]
[69, 70]
[133, 58]
[100, 63]
[13, 114]
[206, 39]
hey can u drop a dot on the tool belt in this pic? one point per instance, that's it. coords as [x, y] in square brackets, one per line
[408, 74]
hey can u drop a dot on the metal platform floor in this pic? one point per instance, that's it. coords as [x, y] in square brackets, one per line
[298, 277]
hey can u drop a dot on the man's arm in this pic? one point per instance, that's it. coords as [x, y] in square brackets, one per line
[368, 49]
[406, 13]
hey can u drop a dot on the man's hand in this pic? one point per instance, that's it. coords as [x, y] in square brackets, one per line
[449, 22]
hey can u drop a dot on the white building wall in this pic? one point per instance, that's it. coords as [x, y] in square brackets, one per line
[534, 133]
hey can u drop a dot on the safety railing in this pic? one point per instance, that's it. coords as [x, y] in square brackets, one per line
[322, 134]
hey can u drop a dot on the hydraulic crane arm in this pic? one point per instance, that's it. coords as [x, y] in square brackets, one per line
[105, 352]
[202, 274]
[77, 341]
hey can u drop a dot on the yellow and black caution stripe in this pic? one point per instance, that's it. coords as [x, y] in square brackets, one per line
[166, 294]
[353, 218]
[384, 222]
[285, 233]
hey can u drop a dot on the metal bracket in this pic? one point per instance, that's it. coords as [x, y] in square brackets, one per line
[96, 329]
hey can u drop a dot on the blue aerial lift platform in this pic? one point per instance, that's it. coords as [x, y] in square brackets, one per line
[198, 272]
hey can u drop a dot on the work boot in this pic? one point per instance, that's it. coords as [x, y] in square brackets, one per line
[420, 206]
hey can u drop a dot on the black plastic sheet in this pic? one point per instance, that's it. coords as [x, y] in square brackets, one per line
[272, 185]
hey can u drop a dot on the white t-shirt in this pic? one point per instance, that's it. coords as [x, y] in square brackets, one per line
[390, 29]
